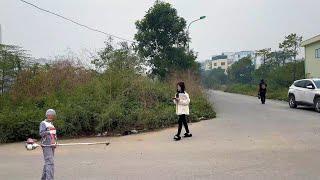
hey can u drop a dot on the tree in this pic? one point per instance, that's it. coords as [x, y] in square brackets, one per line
[162, 40]
[264, 53]
[277, 58]
[118, 58]
[291, 46]
[282, 76]
[12, 61]
[214, 78]
[241, 71]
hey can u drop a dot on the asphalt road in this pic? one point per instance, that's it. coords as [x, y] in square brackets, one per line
[247, 140]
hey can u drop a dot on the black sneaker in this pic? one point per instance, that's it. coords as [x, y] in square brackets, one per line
[187, 135]
[176, 137]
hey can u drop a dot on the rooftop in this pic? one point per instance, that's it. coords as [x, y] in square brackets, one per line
[311, 41]
[219, 57]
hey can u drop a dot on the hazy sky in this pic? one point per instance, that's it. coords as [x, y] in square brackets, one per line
[231, 25]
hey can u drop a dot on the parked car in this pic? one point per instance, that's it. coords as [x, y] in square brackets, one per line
[305, 92]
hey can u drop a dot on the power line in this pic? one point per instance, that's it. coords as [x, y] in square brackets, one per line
[74, 22]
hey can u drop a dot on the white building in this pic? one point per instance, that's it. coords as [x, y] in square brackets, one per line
[206, 65]
[218, 61]
[242, 54]
[228, 54]
[226, 59]
[221, 63]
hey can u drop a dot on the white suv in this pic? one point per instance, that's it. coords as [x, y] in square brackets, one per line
[305, 92]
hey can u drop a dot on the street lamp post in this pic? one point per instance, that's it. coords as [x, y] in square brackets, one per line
[202, 17]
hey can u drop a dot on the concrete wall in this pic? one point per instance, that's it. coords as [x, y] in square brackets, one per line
[222, 63]
[312, 63]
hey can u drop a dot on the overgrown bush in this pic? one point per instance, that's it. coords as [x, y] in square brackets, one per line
[88, 103]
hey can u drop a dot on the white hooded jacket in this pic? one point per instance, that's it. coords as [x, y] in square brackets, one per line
[182, 106]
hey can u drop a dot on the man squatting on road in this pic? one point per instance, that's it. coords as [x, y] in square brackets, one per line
[48, 141]
[182, 100]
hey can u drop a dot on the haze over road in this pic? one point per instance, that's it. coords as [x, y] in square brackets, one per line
[246, 141]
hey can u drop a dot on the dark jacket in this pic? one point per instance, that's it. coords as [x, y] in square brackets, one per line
[263, 87]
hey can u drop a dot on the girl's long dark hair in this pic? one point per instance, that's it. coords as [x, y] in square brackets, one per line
[182, 86]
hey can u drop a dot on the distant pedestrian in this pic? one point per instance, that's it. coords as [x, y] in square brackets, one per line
[262, 91]
[182, 101]
[48, 141]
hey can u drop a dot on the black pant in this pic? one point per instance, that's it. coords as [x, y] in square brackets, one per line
[263, 97]
[182, 120]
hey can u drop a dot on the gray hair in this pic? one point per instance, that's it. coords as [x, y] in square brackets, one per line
[50, 112]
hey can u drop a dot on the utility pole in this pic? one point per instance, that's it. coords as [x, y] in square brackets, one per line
[202, 17]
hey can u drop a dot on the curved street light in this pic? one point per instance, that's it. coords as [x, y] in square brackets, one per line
[201, 17]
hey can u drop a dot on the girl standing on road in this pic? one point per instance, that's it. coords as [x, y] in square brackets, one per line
[48, 141]
[182, 100]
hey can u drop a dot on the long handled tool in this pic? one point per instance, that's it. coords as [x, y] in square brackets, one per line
[31, 145]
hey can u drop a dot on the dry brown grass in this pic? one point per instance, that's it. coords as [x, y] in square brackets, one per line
[191, 80]
[37, 83]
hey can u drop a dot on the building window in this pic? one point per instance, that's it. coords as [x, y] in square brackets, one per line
[223, 63]
[318, 53]
[215, 64]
